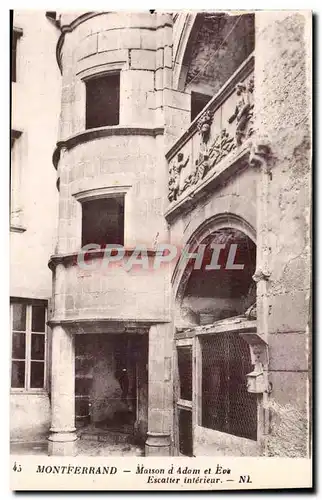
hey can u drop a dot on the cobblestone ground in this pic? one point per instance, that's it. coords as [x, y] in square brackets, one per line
[85, 448]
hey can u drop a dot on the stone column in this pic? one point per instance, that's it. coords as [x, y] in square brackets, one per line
[62, 439]
[160, 403]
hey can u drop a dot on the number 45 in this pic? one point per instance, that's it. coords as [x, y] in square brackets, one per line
[17, 468]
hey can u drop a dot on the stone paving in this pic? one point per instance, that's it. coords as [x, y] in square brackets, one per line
[85, 448]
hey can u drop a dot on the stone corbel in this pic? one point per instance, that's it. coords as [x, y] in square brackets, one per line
[261, 274]
[257, 382]
[260, 153]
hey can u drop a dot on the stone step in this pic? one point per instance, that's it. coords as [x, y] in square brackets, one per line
[111, 437]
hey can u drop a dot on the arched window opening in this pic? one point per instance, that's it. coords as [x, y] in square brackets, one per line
[227, 291]
[217, 304]
[220, 45]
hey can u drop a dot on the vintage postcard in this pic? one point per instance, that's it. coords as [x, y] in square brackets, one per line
[160, 250]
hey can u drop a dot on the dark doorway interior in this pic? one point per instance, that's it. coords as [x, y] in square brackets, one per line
[111, 382]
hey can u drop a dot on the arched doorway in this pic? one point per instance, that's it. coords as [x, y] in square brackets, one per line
[215, 303]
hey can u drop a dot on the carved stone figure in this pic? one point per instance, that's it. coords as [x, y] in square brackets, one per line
[243, 111]
[204, 126]
[222, 145]
[261, 274]
[250, 87]
[208, 158]
[259, 154]
[174, 176]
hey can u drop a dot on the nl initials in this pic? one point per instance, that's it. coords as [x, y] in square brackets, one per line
[244, 479]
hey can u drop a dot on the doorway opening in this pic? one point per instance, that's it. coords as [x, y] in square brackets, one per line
[214, 410]
[111, 383]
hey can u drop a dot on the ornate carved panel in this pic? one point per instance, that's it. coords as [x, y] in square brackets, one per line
[225, 124]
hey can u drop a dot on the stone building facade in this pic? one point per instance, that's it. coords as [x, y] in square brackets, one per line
[191, 132]
[33, 217]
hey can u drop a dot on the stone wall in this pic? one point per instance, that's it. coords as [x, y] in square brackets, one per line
[128, 158]
[36, 116]
[115, 162]
[29, 417]
[237, 196]
[275, 198]
[282, 96]
[35, 112]
[115, 293]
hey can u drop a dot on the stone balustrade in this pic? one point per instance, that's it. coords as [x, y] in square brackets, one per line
[220, 131]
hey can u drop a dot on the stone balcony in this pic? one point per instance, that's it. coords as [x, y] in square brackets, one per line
[90, 290]
[215, 145]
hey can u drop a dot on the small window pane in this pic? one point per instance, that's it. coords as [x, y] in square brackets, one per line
[18, 345]
[103, 221]
[198, 102]
[102, 101]
[185, 372]
[227, 406]
[38, 318]
[19, 317]
[242, 413]
[214, 382]
[37, 346]
[18, 374]
[36, 375]
[14, 58]
[185, 432]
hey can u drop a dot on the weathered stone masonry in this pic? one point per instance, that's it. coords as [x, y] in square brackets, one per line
[243, 165]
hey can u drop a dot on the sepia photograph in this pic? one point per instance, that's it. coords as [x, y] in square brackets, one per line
[160, 248]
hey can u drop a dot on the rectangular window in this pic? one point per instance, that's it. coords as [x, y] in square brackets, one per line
[185, 372]
[16, 214]
[14, 58]
[102, 101]
[198, 102]
[227, 406]
[185, 395]
[28, 353]
[185, 432]
[103, 221]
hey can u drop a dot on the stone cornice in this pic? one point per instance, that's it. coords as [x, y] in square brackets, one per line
[236, 324]
[68, 28]
[15, 228]
[228, 88]
[18, 32]
[68, 259]
[106, 325]
[101, 132]
[235, 162]
[100, 192]
[15, 134]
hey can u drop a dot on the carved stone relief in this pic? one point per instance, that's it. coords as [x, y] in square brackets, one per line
[174, 176]
[204, 126]
[213, 150]
[260, 154]
[244, 111]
